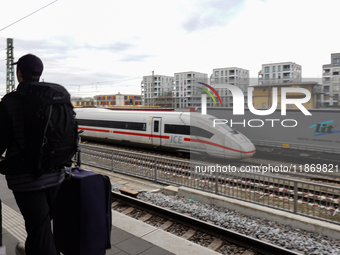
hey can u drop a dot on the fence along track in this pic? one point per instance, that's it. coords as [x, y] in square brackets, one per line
[305, 198]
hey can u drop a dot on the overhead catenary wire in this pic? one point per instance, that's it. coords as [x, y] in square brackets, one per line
[27, 15]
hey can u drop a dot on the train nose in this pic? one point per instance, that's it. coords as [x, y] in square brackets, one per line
[248, 150]
[241, 146]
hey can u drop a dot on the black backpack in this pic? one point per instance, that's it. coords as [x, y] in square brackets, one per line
[50, 129]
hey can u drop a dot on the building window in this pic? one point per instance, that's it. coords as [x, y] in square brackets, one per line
[336, 88]
[279, 68]
[274, 67]
[326, 89]
[336, 79]
[216, 73]
[266, 69]
[226, 72]
[266, 76]
[336, 71]
[274, 76]
[336, 61]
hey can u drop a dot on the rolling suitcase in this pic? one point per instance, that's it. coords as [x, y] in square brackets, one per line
[82, 220]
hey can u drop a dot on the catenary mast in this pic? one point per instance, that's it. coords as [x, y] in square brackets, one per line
[10, 80]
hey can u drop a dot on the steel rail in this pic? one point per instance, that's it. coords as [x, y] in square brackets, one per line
[231, 236]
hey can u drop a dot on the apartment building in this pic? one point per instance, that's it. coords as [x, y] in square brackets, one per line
[331, 82]
[277, 73]
[157, 90]
[186, 92]
[236, 76]
[231, 75]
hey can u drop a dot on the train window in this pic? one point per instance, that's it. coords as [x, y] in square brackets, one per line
[177, 129]
[113, 124]
[197, 131]
[187, 130]
[156, 126]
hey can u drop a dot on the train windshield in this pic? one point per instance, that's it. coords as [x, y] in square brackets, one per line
[225, 126]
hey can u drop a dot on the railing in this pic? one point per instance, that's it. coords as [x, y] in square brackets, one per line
[298, 197]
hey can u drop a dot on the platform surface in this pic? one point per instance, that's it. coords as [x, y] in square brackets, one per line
[13, 230]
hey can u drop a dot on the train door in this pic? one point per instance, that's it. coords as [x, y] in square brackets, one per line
[156, 131]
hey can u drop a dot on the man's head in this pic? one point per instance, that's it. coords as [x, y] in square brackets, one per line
[29, 68]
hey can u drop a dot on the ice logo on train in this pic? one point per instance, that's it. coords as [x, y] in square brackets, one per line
[324, 128]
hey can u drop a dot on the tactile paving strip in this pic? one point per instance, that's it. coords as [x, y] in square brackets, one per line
[13, 222]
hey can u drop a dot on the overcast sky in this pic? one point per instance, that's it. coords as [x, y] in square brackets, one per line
[106, 46]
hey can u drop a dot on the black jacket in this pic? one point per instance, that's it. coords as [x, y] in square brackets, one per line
[12, 136]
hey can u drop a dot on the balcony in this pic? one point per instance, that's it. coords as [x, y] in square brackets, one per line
[286, 68]
[326, 81]
[326, 72]
[286, 76]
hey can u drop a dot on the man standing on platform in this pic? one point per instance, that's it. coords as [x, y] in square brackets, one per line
[34, 194]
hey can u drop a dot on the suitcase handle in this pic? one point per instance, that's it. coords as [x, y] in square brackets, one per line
[68, 173]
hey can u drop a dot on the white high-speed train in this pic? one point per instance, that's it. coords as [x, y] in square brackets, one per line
[183, 132]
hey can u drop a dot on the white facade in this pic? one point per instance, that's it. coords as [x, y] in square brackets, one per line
[186, 93]
[331, 82]
[277, 73]
[231, 75]
[155, 86]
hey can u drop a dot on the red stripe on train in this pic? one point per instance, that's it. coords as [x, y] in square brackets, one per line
[216, 144]
[94, 129]
[124, 133]
[166, 137]
[139, 134]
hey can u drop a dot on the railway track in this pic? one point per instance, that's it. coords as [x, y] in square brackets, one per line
[215, 237]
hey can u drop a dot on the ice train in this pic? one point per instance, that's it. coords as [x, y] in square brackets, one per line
[182, 132]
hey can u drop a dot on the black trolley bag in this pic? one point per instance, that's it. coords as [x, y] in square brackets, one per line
[82, 221]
